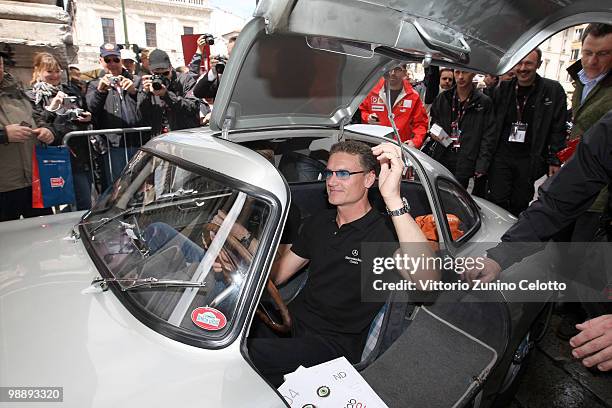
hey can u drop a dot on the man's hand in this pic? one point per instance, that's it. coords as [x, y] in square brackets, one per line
[391, 170]
[160, 92]
[206, 119]
[373, 119]
[489, 272]
[104, 84]
[17, 133]
[44, 135]
[85, 117]
[127, 85]
[201, 43]
[552, 170]
[594, 343]
[146, 83]
[410, 143]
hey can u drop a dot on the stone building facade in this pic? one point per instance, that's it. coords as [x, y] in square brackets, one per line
[150, 24]
[28, 27]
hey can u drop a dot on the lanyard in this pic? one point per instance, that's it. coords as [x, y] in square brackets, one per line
[456, 112]
[521, 109]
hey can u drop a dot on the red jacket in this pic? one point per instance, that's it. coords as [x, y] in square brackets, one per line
[410, 115]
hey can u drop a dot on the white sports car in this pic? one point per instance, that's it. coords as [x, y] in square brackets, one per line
[120, 306]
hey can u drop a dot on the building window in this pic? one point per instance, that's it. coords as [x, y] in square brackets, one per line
[578, 34]
[544, 66]
[575, 53]
[151, 34]
[187, 30]
[561, 64]
[108, 30]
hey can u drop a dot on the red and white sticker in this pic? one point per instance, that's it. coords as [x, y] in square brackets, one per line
[208, 318]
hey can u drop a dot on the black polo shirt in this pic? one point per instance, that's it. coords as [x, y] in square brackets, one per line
[330, 303]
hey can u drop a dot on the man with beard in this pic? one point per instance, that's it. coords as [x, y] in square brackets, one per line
[530, 113]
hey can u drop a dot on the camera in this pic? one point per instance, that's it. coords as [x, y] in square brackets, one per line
[74, 113]
[210, 40]
[158, 80]
[114, 81]
[69, 102]
[220, 66]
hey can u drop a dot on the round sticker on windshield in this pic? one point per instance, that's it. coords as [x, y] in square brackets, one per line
[208, 318]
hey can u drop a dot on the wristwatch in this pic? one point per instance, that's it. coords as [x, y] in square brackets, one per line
[401, 211]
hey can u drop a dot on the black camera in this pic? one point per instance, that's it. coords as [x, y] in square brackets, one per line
[220, 66]
[210, 40]
[158, 80]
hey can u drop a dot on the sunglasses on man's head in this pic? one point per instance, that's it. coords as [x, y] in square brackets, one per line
[341, 174]
[108, 60]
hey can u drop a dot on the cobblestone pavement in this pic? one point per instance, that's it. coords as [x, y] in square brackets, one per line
[554, 379]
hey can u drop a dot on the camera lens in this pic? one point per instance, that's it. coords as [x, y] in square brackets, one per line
[156, 85]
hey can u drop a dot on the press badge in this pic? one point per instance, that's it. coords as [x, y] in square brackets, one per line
[517, 132]
[455, 134]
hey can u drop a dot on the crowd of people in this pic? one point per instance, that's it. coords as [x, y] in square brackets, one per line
[500, 138]
[126, 92]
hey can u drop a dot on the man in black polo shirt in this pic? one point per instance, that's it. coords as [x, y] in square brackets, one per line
[329, 318]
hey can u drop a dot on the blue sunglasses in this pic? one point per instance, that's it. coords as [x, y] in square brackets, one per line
[341, 174]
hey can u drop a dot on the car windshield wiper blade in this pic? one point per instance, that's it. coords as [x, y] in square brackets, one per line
[150, 282]
[105, 220]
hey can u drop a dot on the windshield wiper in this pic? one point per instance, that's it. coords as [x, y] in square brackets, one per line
[102, 283]
[105, 220]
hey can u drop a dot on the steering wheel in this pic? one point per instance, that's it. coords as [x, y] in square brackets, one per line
[230, 255]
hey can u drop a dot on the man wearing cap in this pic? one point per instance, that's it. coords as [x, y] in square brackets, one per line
[20, 129]
[408, 110]
[128, 60]
[165, 99]
[111, 99]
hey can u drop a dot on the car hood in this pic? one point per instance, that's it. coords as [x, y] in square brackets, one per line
[54, 333]
[311, 62]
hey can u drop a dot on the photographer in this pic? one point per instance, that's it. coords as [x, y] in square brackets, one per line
[61, 107]
[207, 85]
[165, 99]
[111, 99]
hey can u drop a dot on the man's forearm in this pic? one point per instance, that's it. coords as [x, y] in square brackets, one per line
[413, 243]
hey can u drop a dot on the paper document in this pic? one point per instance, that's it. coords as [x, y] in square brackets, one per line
[332, 384]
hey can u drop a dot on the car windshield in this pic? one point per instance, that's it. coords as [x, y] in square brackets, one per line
[179, 243]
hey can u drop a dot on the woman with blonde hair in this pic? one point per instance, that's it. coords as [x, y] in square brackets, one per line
[63, 108]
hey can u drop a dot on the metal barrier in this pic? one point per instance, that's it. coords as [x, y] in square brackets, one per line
[105, 134]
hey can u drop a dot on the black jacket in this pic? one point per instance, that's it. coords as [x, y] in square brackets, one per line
[478, 138]
[562, 198]
[111, 109]
[179, 106]
[548, 124]
[63, 124]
